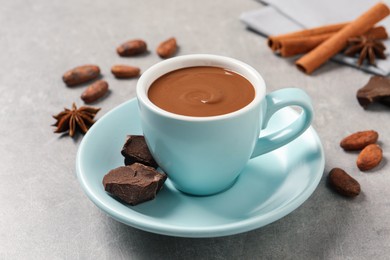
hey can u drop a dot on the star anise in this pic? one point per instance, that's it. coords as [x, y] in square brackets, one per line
[75, 119]
[367, 48]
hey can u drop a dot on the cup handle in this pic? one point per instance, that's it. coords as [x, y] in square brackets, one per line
[275, 101]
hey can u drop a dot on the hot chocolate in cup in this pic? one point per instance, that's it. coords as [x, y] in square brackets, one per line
[202, 114]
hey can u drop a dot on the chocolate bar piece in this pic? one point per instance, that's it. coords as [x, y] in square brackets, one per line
[135, 183]
[376, 90]
[135, 150]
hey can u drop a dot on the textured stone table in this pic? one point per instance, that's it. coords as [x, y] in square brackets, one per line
[44, 214]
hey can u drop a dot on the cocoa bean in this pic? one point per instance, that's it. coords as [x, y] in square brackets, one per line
[95, 91]
[369, 157]
[359, 140]
[125, 71]
[132, 48]
[343, 183]
[81, 74]
[167, 48]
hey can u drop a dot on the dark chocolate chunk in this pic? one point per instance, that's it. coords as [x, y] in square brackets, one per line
[343, 183]
[385, 101]
[135, 150]
[376, 90]
[135, 183]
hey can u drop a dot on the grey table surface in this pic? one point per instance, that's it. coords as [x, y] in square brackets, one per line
[44, 213]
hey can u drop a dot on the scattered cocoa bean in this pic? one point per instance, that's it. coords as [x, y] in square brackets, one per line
[167, 48]
[359, 140]
[125, 71]
[95, 91]
[81, 74]
[369, 157]
[343, 183]
[132, 48]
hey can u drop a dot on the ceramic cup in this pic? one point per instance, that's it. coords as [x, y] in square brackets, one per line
[205, 155]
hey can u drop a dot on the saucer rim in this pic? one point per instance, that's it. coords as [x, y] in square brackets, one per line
[147, 223]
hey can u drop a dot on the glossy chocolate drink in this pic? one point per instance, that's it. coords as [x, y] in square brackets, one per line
[201, 91]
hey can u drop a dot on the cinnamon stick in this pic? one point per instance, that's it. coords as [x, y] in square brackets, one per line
[273, 41]
[299, 45]
[315, 58]
[293, 46]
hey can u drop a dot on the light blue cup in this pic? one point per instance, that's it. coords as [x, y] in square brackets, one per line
[205, 155]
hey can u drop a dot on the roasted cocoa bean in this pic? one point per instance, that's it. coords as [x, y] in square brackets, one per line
[369, 157]
[95, 91]
[125, 71]
[132, 48]
[359, 140]
[167, 48]
[81, 74]
[343, 183]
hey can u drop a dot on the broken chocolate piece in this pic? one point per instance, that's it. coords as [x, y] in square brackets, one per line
[135, 150]
[134, 184]
[385, 101]
[376, 90]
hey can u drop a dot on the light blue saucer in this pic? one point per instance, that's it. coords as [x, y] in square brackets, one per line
[270, 187]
